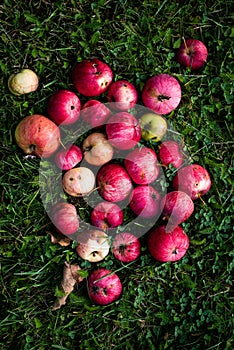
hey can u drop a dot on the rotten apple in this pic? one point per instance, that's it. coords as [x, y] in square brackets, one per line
[23, 82]
[93, 245]
[97, 149]
[126, 247]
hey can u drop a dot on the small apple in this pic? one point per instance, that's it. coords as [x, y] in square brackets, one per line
[93, 245]
[106, 215]
[161, 93]
[153, 127]
[142, 165]
[23, 82]
[64, 217]
[113, 182]
[126, 247]
[91, 77]
[78, 181]
[123, 130]
[170, 152]
[67, 158]
[192, 53]
[192, 179]
[36, 134]
[104, 286]
[144, 201]
[122, 95]
[95, 113]
[167, 245]
[64, 107]
[97, 149]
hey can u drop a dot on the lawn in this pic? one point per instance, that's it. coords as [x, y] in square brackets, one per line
[182, 305]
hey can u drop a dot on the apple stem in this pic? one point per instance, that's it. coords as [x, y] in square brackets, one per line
[62, 144]
[202, 200]
[186, 47]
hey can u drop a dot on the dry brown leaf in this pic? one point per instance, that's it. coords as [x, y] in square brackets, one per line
[61, 239]
[70, 278]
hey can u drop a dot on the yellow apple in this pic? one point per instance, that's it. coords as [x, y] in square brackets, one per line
[153, 127]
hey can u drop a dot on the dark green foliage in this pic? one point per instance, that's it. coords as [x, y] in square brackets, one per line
[185, 305]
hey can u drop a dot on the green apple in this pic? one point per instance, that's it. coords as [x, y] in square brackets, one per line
[153, 127]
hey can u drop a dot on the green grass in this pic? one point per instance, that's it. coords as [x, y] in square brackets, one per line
[184, 305]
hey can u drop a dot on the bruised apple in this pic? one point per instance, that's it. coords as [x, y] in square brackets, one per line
[65, 218]
[93, 245]
[106, 215]
[67, 158]
[78, 181]
[97, 149]
[126, 247]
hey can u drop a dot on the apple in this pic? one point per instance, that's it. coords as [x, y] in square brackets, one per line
[144, 201]
[192, 53]
[153, 127]
[113, 182]
[106, 215]
[193, 179]
[23, 82]
[122, 95]
[170, 152]
[67, 158]
[64, 217]
[36, 134]
[161, 93]
[142, 165]
[126, 247]
[64, 107]
[123, 130]
[95, 113]
[104, 286]
[93, 245]
[97, 149]
[176, 207]
[78, 181]
[167, 245]
[91, 77]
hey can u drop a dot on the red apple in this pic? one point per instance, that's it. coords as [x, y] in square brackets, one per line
[192, 179]
[93, 245]
[142, 165]
[78, 181]
[113, 182]
[104, 286]
[176, 207]
[67, 158]
[64, 217]
[97, 149]
[123, 130]
[95, 113]
[38, 135]
[170, 152]
[161, 93]
[64, 107]
[166, 245]
[192, 53]
[144, 201]
[122, 94]
[126, 247]
[92, 77]
[106, 215]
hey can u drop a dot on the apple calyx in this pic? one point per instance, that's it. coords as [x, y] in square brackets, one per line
[163, 97]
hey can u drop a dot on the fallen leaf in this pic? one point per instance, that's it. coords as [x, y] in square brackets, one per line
[61, 239]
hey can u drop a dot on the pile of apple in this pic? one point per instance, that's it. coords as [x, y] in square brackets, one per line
[121, 158]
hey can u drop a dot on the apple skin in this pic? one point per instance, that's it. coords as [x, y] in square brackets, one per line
[161, 93]
[192, 53]
[166, 245]
[113, 182]
[104, 286]
[176, 207]
[67, 158]
[170, 152]
[97, 149]
[37, 134]
[192, 179]
[142, 165]
[64, 107]
[64, 217]
[91, 77]
[144, 201]
[95, 113]
[126, 247]
[153, 127]
[93, 245]
[78, 181]
[123, 130]
[123, 94]
[106, 215]
[23, 82]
